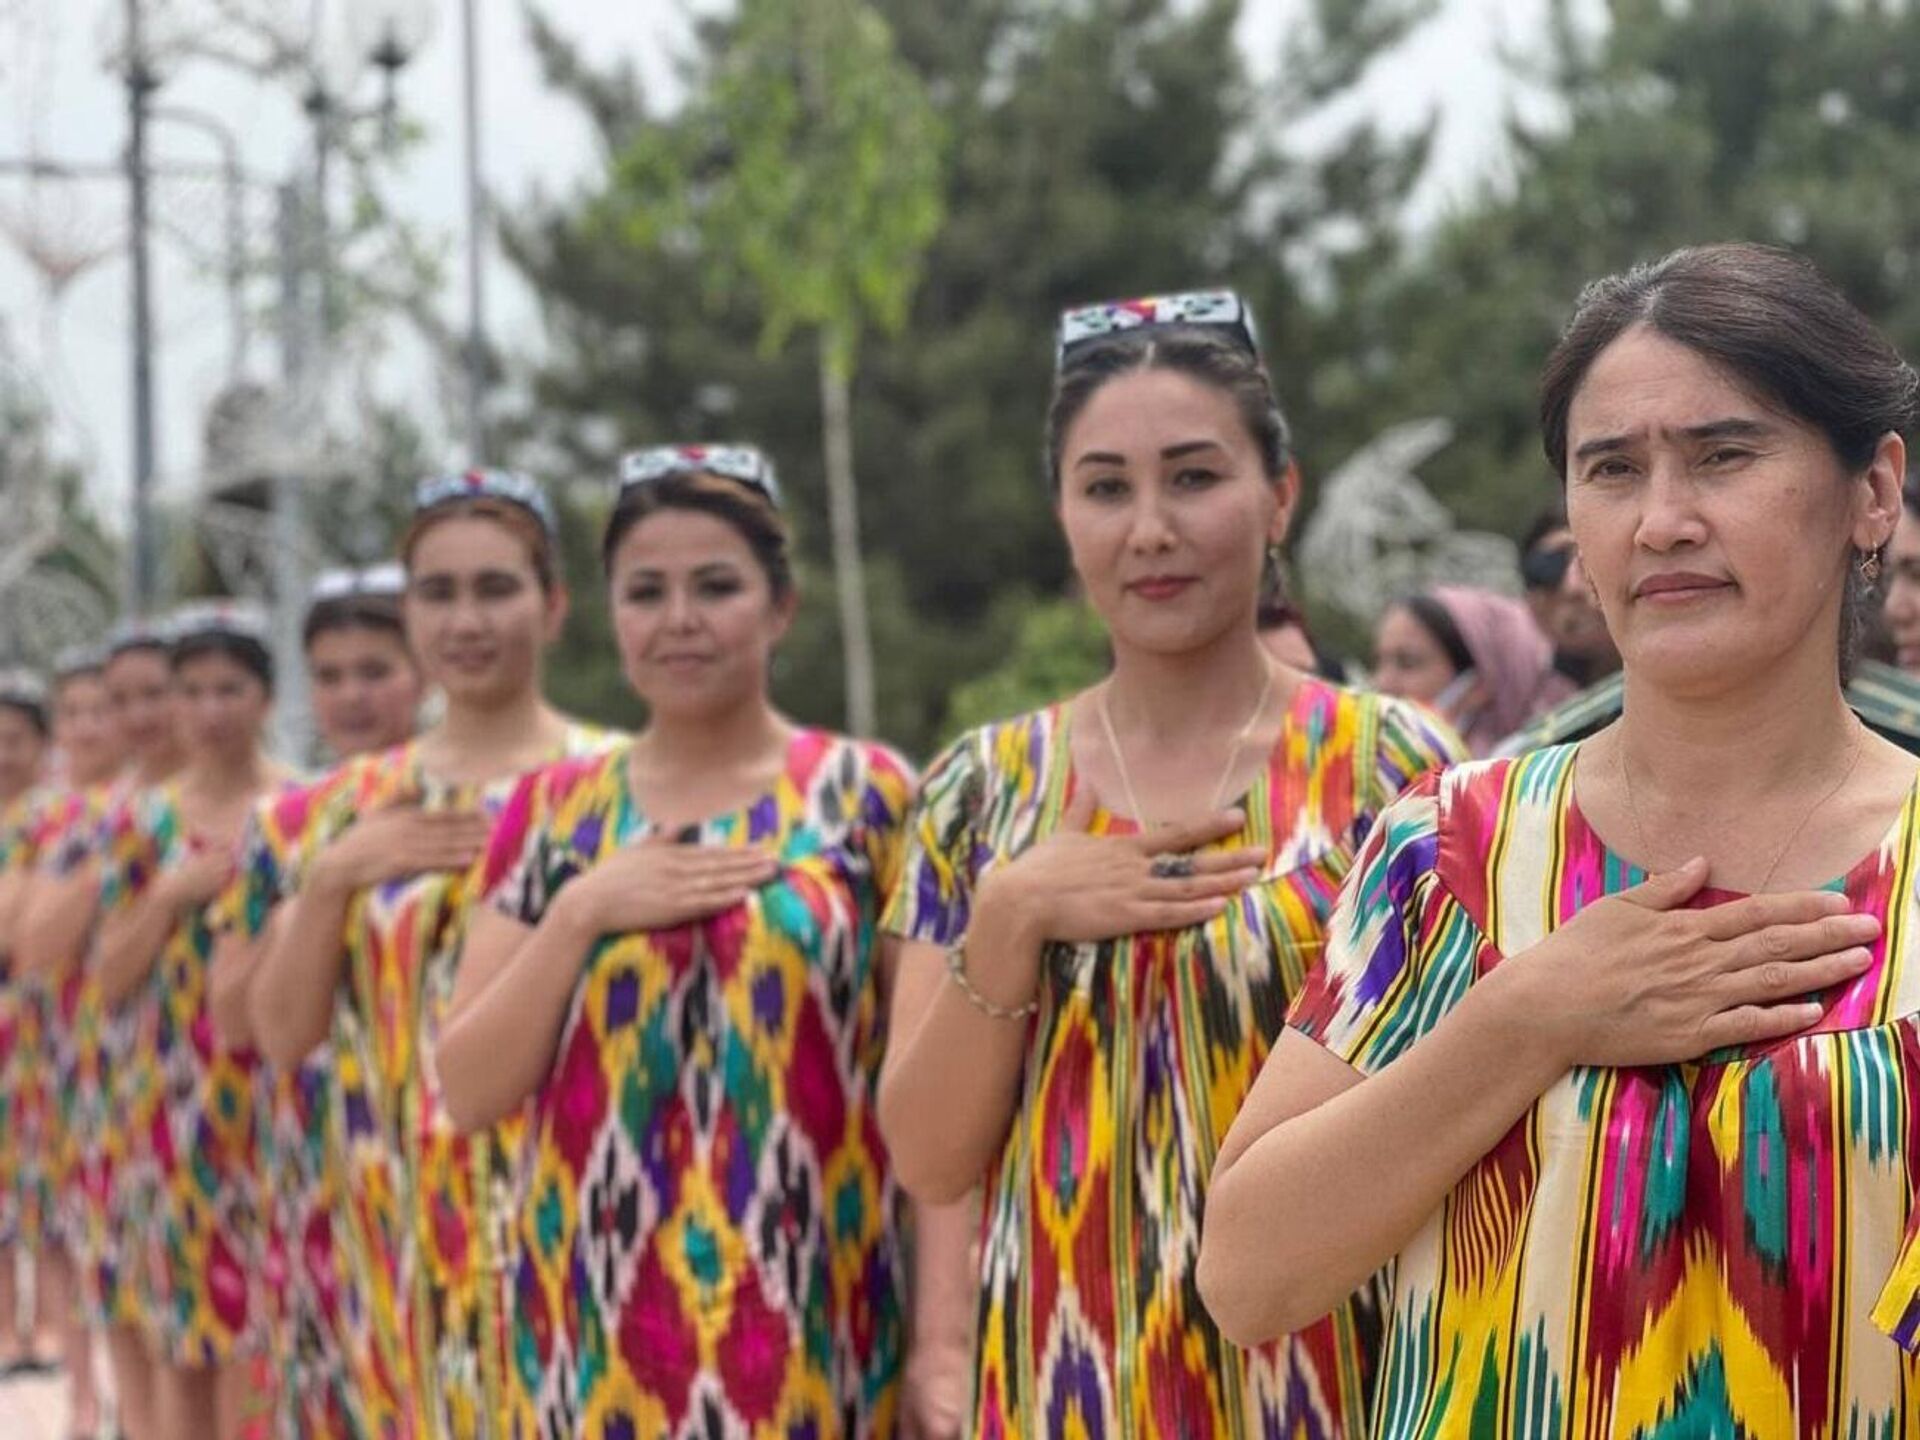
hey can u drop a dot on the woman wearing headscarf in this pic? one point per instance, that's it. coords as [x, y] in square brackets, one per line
[1474, 657]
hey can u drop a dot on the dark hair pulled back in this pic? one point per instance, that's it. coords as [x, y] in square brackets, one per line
[745, 509]
[378, 613]
[1201, 354]
[248, 653]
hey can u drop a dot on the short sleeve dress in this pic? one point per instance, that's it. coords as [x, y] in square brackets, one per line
[310, 1302]
[25, 1011]
[1720, 1248]
[195, 1205]
[69, 821]
[420, 1228]
[1091, 1322]
[98, 1128]
[707, 1242]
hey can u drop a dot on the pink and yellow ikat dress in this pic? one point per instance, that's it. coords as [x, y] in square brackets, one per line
[1091, 1324]
[1725, 1248]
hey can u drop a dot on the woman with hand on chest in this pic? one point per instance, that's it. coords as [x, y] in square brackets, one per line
[365, 958]
[678, 963]
[1108, 903]
[187, 1100]
[1613, 1052]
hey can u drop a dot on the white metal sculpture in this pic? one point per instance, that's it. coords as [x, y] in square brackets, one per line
[1378, 532]
[46, 600]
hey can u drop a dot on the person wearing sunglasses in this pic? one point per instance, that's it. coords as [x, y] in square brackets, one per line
[364, 958]
[193, 1171]
[677, 964]
[1107, 904]
[1563, 606]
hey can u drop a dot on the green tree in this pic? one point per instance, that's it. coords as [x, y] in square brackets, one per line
[807, 172]
[1096, 148]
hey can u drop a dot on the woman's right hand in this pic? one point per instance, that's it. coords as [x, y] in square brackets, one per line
[658, 883]
[195, 881]
[1636, 980]
[1077, 887]
[401, 840]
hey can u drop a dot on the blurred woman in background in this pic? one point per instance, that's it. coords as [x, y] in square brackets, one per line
[1475, 658]
[365, 955]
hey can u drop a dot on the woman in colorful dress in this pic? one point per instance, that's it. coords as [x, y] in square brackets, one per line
[1108, 903]
[169, 852]
[677, 964]
[86, 739]
[365, 956]
[365, 689]
[57, 936]
[23, 751]
[1614, 1049]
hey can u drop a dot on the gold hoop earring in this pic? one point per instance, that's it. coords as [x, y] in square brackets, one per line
[1870, 566]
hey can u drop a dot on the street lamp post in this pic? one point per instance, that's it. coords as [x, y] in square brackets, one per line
[476, 242]
[141, 81]
[387, 34]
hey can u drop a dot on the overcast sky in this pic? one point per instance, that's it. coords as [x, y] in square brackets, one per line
[55, 100]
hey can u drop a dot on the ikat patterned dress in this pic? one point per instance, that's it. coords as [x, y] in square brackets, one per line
[420, 1230]
[1726, 1248]
[100, 1128]
[315, 1301]
[1091, 1323]
[194, 1176]
[70, 818]
[707, 1240]
[24, 1012]
[28, 1016]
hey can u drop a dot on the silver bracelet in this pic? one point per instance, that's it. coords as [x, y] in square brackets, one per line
[957, 968]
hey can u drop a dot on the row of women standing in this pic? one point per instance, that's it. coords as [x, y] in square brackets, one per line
[589, 1067]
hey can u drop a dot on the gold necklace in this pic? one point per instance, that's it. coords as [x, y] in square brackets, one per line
[1233, 757]
[1640, 834]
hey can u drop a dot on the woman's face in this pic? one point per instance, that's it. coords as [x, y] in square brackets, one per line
[223, 707]
[364, 687]
[694, 614]
[1408, 661]
[476, 615]
[84, 730]
[1717, 531]
[1903, 592]
[1168, 511]
[140, 688]
[22, 748]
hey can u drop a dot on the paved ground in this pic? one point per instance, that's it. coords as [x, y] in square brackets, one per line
[34, 1407]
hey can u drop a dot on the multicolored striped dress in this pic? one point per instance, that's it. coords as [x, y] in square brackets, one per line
[70, 825]
[312, 1300]
[707, 1240]
[1728, 1247]
[421, 1226]
[194, 1205]
[1091, 1322]
[22, 1047]
[100, 1128]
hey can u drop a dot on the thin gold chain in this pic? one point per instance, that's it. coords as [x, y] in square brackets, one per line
[1233, 756]
[1640, 834]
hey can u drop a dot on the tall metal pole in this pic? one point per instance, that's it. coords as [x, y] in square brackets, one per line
[143, 558]
[476, 245]
[292, 234]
